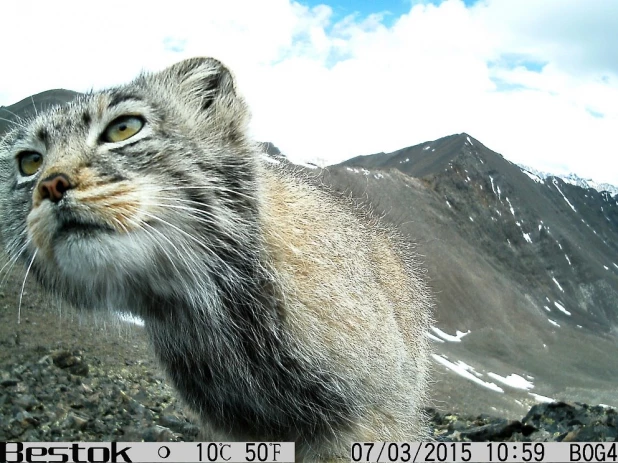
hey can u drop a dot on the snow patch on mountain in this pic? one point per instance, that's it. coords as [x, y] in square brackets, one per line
[573, 179]
[513, 380]
[465, 370]
[542, 398]
[534, 177]
[564, 196]
[561, 308]
[449, 337]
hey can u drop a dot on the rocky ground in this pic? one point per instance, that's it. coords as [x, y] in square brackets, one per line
[67, 395]
[553, 422]
[106, 387]
[63, 395]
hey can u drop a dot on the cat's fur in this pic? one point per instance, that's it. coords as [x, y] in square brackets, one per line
[279, 311]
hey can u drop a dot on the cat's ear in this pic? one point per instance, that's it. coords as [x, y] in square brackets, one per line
[209, 87]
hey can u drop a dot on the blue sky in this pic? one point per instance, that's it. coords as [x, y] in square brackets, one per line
[392, 9]
[324, 84]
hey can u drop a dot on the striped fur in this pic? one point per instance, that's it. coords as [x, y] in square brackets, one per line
[278, 311]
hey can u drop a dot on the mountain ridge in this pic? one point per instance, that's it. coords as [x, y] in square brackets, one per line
[33, 104]
[424, 160]
[574, 179]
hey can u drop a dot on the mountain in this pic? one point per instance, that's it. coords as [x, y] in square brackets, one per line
[524, 269]
[31, 105]
[574, 179]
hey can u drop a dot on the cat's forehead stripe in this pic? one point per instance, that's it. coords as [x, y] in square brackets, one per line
[118, 98]
[43, 135]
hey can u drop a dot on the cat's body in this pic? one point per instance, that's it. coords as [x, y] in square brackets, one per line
[279, 312]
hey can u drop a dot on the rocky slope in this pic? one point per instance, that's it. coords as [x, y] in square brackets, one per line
[65, 393]
[525, 271]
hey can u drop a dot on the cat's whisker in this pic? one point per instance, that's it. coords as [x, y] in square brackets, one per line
[186, 187]
[10, 121]
[203, 246]
[185, 201]
[183, 255]
[195, 268]
[183, 232]
[121, 224]
[150, 233]
[36, 112]
[11, 263]
[172, 200]
[17, 116]
[213, 215]
[209, 188]
[23, 286]
[12, 258]
[204, 214]
[203, 217]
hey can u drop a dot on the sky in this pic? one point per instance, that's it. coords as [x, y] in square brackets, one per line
[536, 81]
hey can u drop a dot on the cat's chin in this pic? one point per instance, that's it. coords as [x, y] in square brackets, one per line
[95, 265]
[93, 253]
[110, 271]
[48, 227]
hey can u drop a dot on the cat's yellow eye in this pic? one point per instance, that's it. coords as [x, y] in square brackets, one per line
[29, 162]
[122, 129]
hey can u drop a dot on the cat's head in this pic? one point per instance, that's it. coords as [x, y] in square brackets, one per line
[128, 188]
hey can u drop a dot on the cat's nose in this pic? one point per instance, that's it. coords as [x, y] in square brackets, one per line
[54, 187]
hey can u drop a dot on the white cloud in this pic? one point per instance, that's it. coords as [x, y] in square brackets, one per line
[540, 91]
[571, 34]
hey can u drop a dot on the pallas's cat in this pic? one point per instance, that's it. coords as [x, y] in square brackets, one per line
[279, 311]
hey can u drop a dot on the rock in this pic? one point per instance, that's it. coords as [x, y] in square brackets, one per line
[72, 361]
[9, 382]
[26, 419]
[76, 421]
[497, 432]
[574, 422]
[179, 425]
[149, 434]
[26, 401]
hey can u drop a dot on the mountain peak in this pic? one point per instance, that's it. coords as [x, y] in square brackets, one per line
[425, 158]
